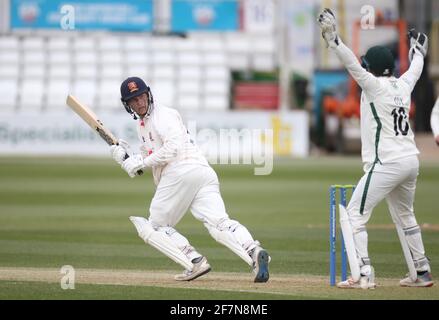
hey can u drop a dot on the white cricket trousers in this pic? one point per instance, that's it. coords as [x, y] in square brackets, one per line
[395, 182]
[187, 186]
[194, 187]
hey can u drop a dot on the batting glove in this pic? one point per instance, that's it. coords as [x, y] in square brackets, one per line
[133, 164]
[125, 145]
[120, 151]
[328, 25]
[418, 42]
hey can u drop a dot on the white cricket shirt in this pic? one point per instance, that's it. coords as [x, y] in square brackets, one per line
[385, 104]
[166, 142]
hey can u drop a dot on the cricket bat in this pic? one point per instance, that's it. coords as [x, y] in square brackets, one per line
[93, 121]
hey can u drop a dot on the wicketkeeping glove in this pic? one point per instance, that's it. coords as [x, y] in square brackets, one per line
[328, 24]
[418, 42]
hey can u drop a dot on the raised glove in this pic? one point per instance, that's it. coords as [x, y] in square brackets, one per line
[133, 164]
[328, 24]
[119, 151]
[418, 42]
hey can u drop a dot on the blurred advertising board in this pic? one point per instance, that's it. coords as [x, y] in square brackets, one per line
[216, 133]
[301, 28]
[115, 15]
[259, 16]
[204, 15]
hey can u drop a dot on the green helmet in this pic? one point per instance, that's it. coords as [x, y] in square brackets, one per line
[379, 60]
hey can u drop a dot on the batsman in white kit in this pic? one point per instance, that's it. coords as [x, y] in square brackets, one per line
[184, 180]
[389, 155]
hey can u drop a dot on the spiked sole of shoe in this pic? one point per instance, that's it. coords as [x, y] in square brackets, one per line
[262, 275]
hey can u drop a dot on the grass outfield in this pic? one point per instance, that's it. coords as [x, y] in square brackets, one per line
[74, 211]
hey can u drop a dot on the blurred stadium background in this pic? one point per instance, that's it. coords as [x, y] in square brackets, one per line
[223, 64]
[203, 58]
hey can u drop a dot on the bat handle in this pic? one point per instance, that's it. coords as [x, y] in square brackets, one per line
[139, 172]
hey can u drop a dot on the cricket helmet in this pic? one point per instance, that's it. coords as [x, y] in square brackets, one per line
[131, 88]
[379, 60]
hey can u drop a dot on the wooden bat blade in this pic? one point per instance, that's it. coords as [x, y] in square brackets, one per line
[91, 119]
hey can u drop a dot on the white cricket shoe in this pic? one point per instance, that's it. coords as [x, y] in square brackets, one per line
[365, 282]
[200, 268]
[261, 259]
[423, 280]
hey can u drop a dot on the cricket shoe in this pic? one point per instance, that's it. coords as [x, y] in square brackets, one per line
[424, 279]
[365, 282]
[261, 259]
[200, 268]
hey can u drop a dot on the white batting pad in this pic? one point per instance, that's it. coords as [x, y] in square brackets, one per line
[161, 241]
[348, 238]
[227, 238]
[407, 254]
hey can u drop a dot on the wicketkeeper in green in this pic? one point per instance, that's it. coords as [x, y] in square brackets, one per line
[389, 155]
